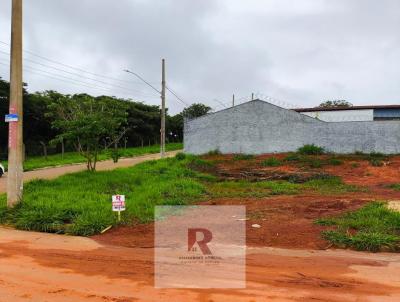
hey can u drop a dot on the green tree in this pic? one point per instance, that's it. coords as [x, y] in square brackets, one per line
[336, 104]
[86, 121]
[195, 110]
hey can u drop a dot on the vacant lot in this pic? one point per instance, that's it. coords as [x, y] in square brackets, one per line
[298, 200]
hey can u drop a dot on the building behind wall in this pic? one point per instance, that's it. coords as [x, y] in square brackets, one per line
[353, 113]
[259, 127]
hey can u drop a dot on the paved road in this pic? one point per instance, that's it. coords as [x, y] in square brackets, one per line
[47, 267]
[53, 172]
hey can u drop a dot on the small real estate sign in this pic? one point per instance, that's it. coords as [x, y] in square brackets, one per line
[118, 203]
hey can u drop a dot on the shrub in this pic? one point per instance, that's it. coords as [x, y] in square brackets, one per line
[376, 162]
[292, 157]
[335, 162]
[271, 162]
[355, 165]
[243, 156]
[311, 150]
[315, 163]
[180, 156]
[214, 152]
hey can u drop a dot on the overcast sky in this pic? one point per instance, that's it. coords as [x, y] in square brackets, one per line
[300, 52]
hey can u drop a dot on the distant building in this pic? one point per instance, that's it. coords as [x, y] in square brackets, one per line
[353, 113]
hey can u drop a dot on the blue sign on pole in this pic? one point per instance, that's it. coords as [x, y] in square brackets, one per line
[11, 117]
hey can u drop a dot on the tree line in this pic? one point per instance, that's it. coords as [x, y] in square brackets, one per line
[56, 122]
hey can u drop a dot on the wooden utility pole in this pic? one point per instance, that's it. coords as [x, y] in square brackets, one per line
[233, 100]
[15, 141]
[162, 142]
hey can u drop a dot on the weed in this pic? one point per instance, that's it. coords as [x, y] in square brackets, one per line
[292, 157]
[376, 162]
[180, 156]
[311, 150]
[245, 188]
[335, 162]
[395, 186]
[80, 203]
[355, 165]
[243, 156]
[375, 227]
[315, 163]
[271, 162]
[331, 185]
[214, 152]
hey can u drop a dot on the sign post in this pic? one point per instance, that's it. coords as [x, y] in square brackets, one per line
[118, 204]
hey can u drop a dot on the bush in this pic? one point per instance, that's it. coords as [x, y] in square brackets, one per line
[180, 156]
[214, 152]
[335, 162]
[271, 162]
[311, 150]
[292, 157]
[243, 156]
[315, 163]
[375, 162]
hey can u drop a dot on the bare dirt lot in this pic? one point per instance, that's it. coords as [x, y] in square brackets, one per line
[287, 260]
[46, 267]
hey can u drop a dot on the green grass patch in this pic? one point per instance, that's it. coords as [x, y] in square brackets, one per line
[331, 185]
[311, 150]
[243, 157]
[271, 162]
[371, 228]
[335, 162]
[80, 203]
[245, 188]
[395, 187]
[38, 162]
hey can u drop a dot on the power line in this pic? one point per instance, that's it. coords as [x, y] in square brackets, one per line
[67, 79]
[177, 97]
[72, 67]
[76, 74]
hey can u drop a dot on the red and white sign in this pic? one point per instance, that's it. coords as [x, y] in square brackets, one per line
[118, 203]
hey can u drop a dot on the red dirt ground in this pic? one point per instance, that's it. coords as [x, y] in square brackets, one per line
[283, 261]
[287, 221]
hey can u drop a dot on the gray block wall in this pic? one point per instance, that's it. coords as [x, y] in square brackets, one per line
[259, 127]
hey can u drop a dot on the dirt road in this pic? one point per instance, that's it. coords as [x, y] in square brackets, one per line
[53, 172]
[46, 267]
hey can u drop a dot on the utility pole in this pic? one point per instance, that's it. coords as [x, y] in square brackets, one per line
[15, 140]
[162, 142]
[252, 96]
[233, 100]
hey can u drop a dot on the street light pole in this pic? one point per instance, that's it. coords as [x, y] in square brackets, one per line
[15, 133]
[162, 143]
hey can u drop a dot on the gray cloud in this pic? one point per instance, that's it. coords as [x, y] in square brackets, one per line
[299, 51]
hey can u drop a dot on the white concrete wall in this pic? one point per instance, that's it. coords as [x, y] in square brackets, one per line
[258, 127]
[361, 115]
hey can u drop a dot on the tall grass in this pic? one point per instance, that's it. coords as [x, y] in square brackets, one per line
[80, 203]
